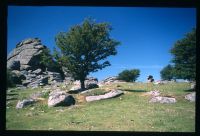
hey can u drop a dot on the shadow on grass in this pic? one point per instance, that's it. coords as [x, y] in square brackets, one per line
[9, 99]
[74, 92]
[137, 91]
[12, 94]
[189, 90]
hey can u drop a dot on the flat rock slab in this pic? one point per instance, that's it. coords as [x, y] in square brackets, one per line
[161, 99]
[111, 94]
[191, 97]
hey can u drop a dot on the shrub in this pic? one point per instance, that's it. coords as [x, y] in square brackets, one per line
[10, 82]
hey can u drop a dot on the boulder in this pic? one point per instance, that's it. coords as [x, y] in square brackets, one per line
[23, 103]
[26, 54]
[191, 97]
[37, 71]
[26, 82]
[37, 82]
[54, 76]
[24, 72]
[90, 83]
[60, 98]
[17, 77]
[161, 99]
[111, 94]
[110, 80]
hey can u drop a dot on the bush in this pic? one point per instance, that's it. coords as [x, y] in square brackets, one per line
[10, 82]
[129, 75]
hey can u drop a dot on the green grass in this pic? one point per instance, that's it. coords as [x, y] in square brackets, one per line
[129, 112]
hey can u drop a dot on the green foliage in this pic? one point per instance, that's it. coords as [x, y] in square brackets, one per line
[49, 62]
[10, 82]
[129, 75]
[167, 73]
[184, 52]
[84, 47]
[46, 59]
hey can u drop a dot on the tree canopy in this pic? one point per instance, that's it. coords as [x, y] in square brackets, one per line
[184, 56]
[84, 48]
[167, 72]
[129, 75]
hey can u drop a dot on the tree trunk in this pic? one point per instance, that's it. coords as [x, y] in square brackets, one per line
[82, 84]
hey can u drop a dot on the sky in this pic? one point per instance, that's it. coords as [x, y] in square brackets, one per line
[146, 34]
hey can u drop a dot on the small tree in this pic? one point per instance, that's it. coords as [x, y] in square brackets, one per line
[84, 47]
[184, 52]
[167, 73]
[46, 59]
[129, 75]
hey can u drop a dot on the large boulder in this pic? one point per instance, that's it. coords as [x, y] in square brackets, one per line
[60, 98]
[191, 97]
[25, 55]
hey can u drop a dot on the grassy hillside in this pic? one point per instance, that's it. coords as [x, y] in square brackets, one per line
[129, 112]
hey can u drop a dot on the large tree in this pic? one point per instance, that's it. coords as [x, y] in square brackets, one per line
[167, 73]
[84, 48]
[184, 52]
[129, 75]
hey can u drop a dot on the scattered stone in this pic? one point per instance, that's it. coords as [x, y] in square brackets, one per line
[38, 71]
[35, 84]
[110, 80]
[90, 83]
[158, 82]
[23, 103]
[60, 110]
[26, 82]
[54, 76]
[154, 93]
[191, 97]
[111, 94]
[161, 99]
[60, 98]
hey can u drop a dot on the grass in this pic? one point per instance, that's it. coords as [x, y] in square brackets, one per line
[129, 112]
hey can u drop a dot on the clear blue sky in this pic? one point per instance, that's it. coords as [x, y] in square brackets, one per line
[146, 34]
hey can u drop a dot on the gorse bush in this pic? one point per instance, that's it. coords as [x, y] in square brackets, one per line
[129, 75]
